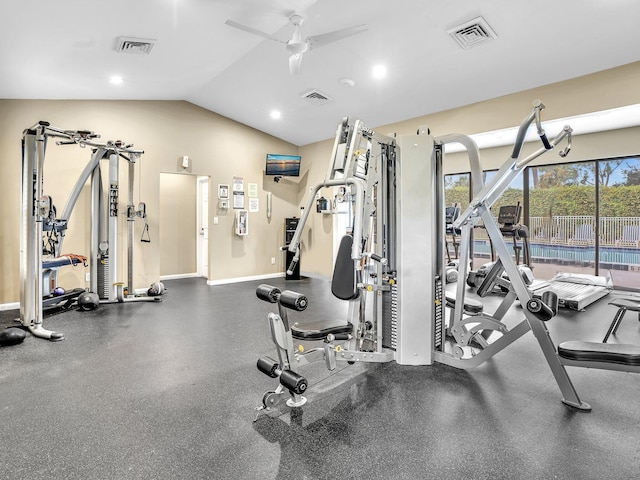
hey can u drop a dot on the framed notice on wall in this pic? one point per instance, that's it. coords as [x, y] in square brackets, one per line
[238, 200]
[238, 184]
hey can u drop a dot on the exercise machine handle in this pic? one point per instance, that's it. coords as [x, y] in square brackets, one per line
[534, 115]
[294, 261]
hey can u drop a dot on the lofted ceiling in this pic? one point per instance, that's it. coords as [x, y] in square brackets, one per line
[66, 50]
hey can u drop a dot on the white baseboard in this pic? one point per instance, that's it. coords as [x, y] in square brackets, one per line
[225, 281]
[315, 275]
[179, 276]
[9, 306]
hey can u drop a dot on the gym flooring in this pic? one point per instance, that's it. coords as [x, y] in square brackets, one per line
[168, 391]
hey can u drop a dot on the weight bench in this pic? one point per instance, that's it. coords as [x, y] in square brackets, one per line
[471, 307]
[617, 319]
[51, 265]
[615, 353]
[608, 356]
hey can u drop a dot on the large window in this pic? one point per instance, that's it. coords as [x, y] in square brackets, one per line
[619, 221]
[513, 197]
[582, 217]
[562, 218]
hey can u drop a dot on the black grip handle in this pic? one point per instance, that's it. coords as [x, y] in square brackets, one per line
[545, 141]
[293, 300]
[375, 257]
[292, 266]
[268, 293]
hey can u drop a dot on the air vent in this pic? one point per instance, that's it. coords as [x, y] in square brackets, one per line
[316, 97]
[472, 33]
[134, 45]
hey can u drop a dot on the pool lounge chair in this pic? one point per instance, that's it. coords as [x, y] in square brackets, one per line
[584, 235]
[630, 236]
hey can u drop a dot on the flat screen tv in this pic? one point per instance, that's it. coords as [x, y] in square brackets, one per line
[283, 165]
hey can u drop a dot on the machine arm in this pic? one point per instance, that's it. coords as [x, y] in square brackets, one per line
[513, 166]
[357, 227]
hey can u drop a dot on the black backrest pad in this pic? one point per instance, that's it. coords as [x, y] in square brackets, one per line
[343, 283]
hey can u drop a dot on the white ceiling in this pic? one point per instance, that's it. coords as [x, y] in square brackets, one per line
[65, 50]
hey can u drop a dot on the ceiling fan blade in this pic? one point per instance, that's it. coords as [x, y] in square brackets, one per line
[245, 28]
[316, 41]
[295, 61]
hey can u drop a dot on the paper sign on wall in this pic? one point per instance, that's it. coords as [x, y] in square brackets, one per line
[238, 199]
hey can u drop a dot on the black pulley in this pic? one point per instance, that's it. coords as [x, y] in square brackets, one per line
[293, 382]
[544, 308]
[268, 366]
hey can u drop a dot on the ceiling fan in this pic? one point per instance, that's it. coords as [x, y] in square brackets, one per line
[298, 46]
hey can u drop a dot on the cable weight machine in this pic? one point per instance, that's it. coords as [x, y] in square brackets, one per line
[38, 215]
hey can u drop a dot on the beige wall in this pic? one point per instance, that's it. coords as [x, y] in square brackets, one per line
[177, 224]
[600, 91]
[165, 130]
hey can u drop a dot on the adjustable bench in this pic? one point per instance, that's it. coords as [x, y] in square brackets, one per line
[617, 353]
[49, 265]
[607, 356]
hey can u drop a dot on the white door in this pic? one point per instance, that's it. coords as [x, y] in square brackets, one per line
[203, 227]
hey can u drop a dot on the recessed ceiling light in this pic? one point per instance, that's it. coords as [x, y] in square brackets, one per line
[116, 80]
[379, 71]
[275, 114]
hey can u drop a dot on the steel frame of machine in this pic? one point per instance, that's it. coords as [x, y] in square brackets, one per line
[397, 312]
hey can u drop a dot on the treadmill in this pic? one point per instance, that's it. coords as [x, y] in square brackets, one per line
[576, 291]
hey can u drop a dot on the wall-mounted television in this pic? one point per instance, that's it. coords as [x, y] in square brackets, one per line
[283, 165]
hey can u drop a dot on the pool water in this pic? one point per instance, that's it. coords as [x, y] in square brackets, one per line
[614, 257]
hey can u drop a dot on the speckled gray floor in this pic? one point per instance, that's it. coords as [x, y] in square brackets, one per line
[168, 390]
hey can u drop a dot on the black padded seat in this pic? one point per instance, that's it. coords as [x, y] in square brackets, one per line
[320, 329]
[622, 354]
[471, 306]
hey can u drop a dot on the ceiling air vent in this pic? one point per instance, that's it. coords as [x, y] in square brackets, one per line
[316, 97]
[134, 45]
[472, 33]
